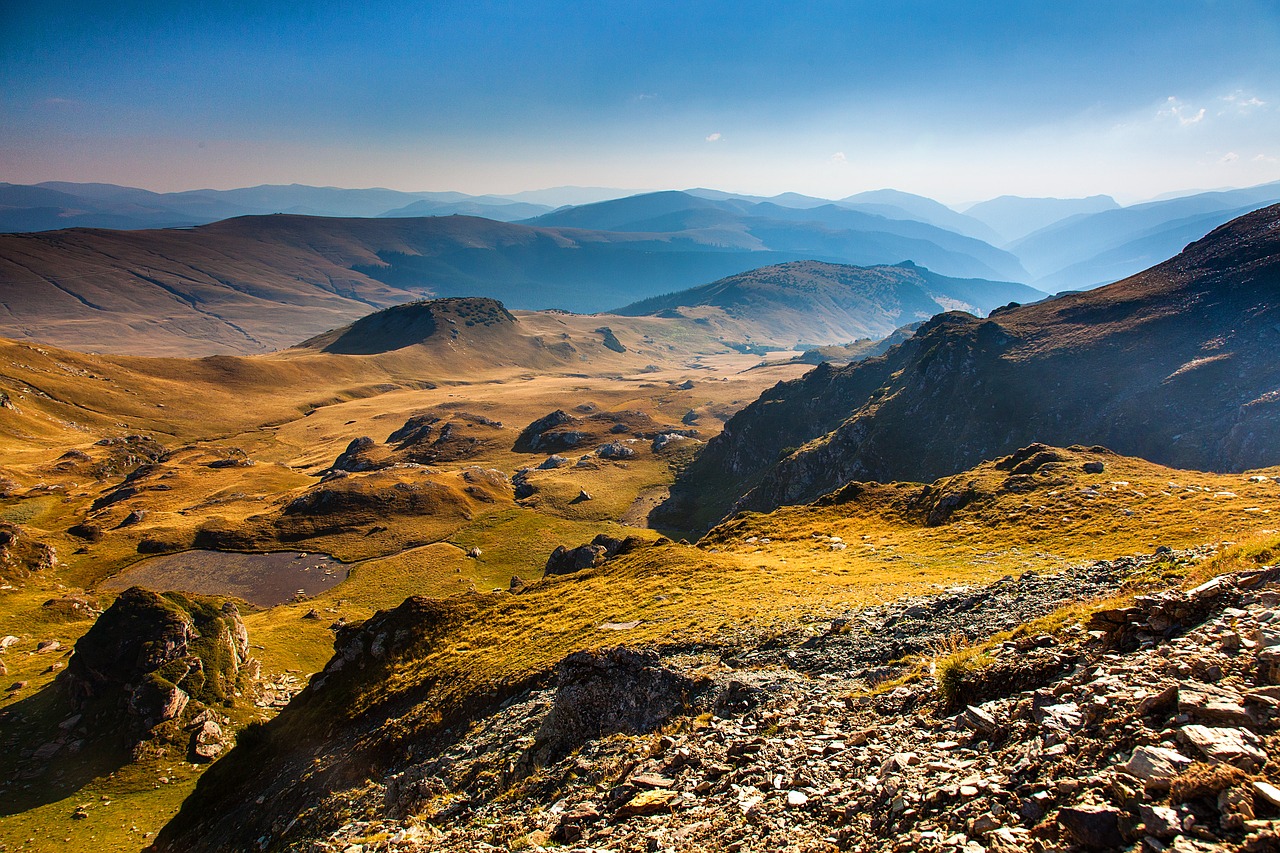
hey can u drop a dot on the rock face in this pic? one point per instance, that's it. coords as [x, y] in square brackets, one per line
[1175, 365]
[149, 658]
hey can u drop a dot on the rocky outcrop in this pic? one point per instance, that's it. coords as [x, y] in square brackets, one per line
[21, 554]
[564, 561]
[1175, 365]
[116, 456]
[602, 693]
[425, 439]
[150, 659]
[343, 501]
[560, 431]
[356, 457]
[548, 433]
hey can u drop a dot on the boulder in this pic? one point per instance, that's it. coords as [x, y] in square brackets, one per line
[615, 450]
[1155, 765]
[208, 740]
[1092, 827]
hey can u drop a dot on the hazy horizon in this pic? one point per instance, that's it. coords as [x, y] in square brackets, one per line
[824, 99]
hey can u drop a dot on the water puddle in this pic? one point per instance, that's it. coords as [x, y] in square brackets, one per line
[262, 579]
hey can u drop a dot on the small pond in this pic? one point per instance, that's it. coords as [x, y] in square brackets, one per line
[262, 579]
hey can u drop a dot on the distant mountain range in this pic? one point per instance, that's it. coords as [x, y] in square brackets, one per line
[256, 283]
[1051, 243]
[1012, 217]
[830, 232]
[1177, 365]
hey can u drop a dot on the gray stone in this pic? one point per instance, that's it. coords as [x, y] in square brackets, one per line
[1213, 705]
[1268, 792]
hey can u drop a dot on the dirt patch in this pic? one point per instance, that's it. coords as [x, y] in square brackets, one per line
[262, 579]
[637, 515]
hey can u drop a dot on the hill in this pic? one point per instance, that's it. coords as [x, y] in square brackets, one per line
[828, 303]
[498, 210]
[896, 204]
[1176, 365]
[452, 324]
[259, 283]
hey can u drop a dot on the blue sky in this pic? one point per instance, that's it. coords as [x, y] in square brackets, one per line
[957, 101]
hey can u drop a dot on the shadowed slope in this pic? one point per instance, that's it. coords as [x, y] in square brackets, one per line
[1176, 365]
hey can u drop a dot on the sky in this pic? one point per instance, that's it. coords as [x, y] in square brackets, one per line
[957, 101]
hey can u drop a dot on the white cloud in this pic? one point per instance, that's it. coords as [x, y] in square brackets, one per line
[1173, 108]
[1229, 157]
[1264, 158]
[839, 157]
[646, 96]
[1243, 103]
[715, 137]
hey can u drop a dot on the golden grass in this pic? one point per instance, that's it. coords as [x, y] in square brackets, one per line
[726, 590]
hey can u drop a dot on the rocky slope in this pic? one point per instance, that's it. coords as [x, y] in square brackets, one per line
[1176, 365]
[1153, 723]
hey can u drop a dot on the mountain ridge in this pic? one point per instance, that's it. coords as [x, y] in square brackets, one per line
[1175, 365]
[815, 301]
